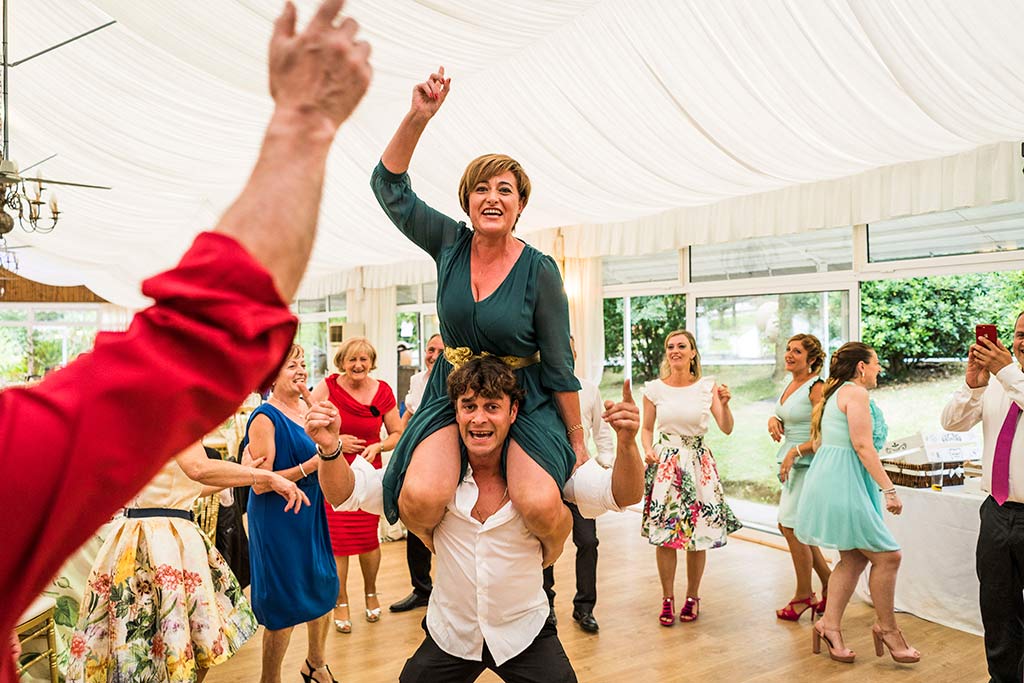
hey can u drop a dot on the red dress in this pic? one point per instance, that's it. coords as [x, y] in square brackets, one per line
[354, 533]
[76, 447]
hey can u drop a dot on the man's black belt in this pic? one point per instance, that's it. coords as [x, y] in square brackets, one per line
[136, 513]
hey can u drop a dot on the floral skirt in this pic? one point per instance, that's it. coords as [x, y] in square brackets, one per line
[160, 602]
[684, 507]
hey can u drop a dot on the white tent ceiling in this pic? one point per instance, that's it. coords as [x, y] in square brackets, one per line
[619, 110]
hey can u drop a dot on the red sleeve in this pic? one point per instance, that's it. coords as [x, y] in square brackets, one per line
[385, 398]
[74, 448]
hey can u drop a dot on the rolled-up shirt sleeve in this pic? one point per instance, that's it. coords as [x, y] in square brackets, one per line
[590, 489]
[368, 490]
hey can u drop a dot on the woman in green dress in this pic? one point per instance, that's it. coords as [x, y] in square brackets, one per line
[841, 506]
[496, 295]
[791, 425]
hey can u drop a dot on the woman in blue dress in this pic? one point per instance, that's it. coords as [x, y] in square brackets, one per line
[841, 507]
[498, 296]
[791, 425]
[294, 578]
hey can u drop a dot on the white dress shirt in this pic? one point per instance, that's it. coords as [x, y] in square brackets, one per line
[591, 409]
[488, 583]
[989, 405]
[417, 385]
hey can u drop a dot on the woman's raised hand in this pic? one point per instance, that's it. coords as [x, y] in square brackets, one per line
[428, 96]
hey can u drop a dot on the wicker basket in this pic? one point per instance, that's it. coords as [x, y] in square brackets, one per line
[920, 476]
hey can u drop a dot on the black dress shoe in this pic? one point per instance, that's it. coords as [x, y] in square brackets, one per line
[411, 601]
[586, 621]
[552, 619]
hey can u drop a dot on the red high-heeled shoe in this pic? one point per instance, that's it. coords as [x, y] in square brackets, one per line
[691, 610]
[668, 612]
[788, 613]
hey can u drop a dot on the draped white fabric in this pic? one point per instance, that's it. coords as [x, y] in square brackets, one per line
[640, 122]
[375, 309]
[586, 315]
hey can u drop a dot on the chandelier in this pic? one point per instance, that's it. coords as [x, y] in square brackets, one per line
[35, 214]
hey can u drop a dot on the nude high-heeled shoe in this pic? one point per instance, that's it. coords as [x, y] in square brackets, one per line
[819, 634]
[909, 656]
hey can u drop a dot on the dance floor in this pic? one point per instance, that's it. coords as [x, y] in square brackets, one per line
[737, 637]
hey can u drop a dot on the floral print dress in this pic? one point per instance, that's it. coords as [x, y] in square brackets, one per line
[161, 601]
[684, 507]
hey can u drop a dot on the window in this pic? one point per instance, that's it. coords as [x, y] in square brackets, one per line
[806, 252]
[742, 340]
[982, 229]
[34, 340]
[660, 267]
[312, 337]
[636, 351]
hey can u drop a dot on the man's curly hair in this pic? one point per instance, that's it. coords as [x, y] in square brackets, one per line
[486, 376]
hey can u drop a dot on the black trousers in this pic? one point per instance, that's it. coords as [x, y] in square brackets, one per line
[584, 537]
[418, 558]
[1000, 566]
[544, 661]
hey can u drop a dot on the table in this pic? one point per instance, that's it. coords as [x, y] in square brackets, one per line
[937, 532]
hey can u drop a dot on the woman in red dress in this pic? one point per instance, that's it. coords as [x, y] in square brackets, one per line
[365, 404]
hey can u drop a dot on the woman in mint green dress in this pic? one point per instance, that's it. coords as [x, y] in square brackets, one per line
[845, 490]
[791, 425]
[496, 295]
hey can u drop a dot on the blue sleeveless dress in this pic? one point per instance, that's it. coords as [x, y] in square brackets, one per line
[795, 414]
[841, 506]
[294, 578]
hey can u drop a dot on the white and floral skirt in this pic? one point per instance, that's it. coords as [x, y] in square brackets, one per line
[160, 602]
[684, 507]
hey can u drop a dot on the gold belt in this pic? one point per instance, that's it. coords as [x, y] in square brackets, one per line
[460, 355]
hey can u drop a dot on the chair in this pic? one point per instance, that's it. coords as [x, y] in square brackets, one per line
[38, 622]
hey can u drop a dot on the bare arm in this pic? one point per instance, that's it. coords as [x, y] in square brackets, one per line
[854, 402]
[394, 425]
[317, 78]
[220, 474]
[568, 404]
[647, 432]
[427, 98]
[261, 445]
[720, 409]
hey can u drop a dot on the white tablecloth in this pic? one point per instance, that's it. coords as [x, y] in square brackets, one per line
[937, 533]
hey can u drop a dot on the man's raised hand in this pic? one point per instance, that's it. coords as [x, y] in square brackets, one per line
[323, 70]
[624, 417]
[323, 422]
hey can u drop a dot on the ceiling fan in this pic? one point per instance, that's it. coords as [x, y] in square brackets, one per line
[16, 191]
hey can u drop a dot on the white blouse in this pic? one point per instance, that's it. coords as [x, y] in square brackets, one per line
[682, 410]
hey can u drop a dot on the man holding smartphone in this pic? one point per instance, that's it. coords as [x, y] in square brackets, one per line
[993, 394]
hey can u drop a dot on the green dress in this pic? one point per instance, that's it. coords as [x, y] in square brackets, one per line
[841, 506]
[527, 313]
[795, 415]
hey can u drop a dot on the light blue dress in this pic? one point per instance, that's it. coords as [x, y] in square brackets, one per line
[795, 415]
[841, 506]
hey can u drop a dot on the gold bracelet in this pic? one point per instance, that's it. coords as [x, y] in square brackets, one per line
[574, 428]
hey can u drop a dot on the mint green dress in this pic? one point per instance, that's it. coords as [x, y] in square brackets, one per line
[795, 415]
[841, 506]
[527, 313]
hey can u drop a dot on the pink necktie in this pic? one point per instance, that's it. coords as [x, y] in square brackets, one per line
[1001, 459]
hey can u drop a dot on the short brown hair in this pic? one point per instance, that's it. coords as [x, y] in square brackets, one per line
[486, 376]
[811, 344]
[486, 167]
[351, 345]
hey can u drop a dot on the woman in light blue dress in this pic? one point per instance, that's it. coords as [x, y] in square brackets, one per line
[791, 425]
[841, 508]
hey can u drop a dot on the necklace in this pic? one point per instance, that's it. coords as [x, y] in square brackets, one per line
[478, 516]
[293, 415]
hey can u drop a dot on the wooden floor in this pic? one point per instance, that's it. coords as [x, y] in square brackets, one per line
[737, 637]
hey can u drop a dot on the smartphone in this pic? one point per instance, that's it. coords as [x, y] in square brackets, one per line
[986, 331]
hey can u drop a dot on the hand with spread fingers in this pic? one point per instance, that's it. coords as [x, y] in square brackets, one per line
[323, 69]
[289, 490]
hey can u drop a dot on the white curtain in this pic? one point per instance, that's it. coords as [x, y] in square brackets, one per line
[114, 318]
[375, 310]
[586, 315]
